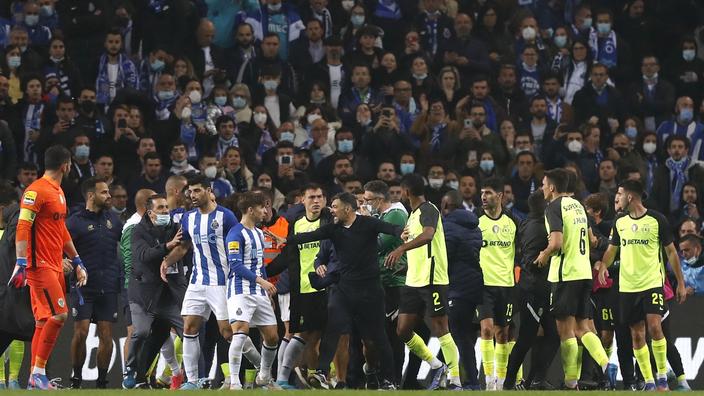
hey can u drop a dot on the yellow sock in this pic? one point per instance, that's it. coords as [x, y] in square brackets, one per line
[501, 351]
[569, 351]
[449, 351]
[418, 347]
[580, 354]
[178, 348]
[643, 357]
[593, 345]
[660, 356]
[519, 374]
[250, 375]
[16, 355]
[487, 349]
[225, 367]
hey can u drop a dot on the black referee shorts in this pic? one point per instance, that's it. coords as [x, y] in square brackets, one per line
[309, 312]
[571, 298]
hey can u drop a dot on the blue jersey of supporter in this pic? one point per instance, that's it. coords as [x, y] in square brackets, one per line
[245, 253]
[177, 214]
[207, 232]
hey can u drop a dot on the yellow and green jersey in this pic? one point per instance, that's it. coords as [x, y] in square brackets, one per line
[641, 255]
[498, 252]
[307, 252]
[567, 216]
[427, 265]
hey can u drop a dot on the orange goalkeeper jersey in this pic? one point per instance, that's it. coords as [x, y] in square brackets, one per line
[42, 224]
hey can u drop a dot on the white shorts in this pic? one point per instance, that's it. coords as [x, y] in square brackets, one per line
[200, 300]
[285, 306]
[251, 308]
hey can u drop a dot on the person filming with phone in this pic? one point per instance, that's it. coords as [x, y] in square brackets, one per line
[286, 177]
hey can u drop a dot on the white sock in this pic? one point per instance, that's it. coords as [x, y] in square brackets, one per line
[251, 353]
[435, 363]
[235, 357]
[191, 354]
[38, 370]
[280, 354]
[293, 352]
[169, 354]
[268, 357]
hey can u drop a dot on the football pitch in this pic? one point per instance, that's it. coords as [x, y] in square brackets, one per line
[119, 392]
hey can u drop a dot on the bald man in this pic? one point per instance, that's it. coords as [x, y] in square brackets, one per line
[140, 202]
[208, 59]
[175, 186]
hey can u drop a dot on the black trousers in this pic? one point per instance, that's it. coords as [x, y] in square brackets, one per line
[534, 313]
[360, 303]
[151, 329]
[464, 332]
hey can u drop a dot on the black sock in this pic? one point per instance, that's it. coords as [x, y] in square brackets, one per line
[102, 374]
[78, 373]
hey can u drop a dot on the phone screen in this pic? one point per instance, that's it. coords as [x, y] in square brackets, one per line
[122, 123]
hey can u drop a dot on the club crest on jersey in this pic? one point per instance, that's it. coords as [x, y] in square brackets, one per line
[233, 247]
[91, 227]
[634, 227]
[495, 228]
[108, 224]
[61, 302]
[29, 197]
[214, 225]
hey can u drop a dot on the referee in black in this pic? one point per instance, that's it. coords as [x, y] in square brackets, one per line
[359, 297]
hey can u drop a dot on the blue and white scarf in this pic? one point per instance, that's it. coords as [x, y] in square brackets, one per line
[265, 143]
[678, 174]
[604, 49]
[388, 9]
[437, 136]
[126, 77]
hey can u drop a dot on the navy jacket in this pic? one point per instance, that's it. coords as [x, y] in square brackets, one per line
[96, 237]
[463, 240]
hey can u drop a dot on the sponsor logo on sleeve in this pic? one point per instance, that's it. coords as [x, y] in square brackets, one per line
[29, 197]
[233, 247]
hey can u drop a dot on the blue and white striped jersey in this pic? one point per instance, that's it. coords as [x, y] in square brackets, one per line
[208, 232]
[245, 253]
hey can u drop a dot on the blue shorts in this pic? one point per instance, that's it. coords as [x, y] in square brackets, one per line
[96, 307]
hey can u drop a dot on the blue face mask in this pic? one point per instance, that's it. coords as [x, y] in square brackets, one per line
[407, 168]
[631, 132]
[165, 95]
[487, 165]
[31, 20]
[239, 102]
[287, 136]
[587, 23]
[345, 146]
[688, 54]
[603, 28]
[686, 115]
[14, 62]
[357, 20]
[82, 151]
[561, 41]
[271, 85]
[162, 220]
[157, 65]
[220, 100]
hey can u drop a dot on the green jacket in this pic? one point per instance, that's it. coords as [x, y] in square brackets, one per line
[394, 277]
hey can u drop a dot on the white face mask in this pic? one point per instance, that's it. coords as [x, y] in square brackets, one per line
[312, 117]
[186, 112]
[195, 96]
[211, 172]
[528, 33]
[347, 5]
[435, 183]
[574, 146]
[453, 184]
[260, 118]
[649, 147]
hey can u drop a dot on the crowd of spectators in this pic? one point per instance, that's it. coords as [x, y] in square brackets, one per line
[285, 92]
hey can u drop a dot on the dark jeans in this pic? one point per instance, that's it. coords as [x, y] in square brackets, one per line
[464, 332]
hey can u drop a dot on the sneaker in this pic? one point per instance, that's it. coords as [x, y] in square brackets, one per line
[176, 381]
[437, 376]
[38, 381]
[301, 378]
[541, 385]
[387, 385]
[190, 385]
[163, 382]
[472, 387]
[453, 387]
[235, 387]
[271, 385]
[678, 388]
[143, 385]
[662, 384]
[75, 383]
[101, 384]
[491, 385]
[520, 385]
[129, 381]
[371, 381]
[611, 372]
[340, 385]
[318, 380]
[650, 387]
[13, 385]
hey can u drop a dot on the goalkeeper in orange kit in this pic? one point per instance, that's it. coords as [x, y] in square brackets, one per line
[42, 240]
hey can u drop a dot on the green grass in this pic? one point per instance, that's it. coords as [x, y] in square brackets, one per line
[119, 392]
